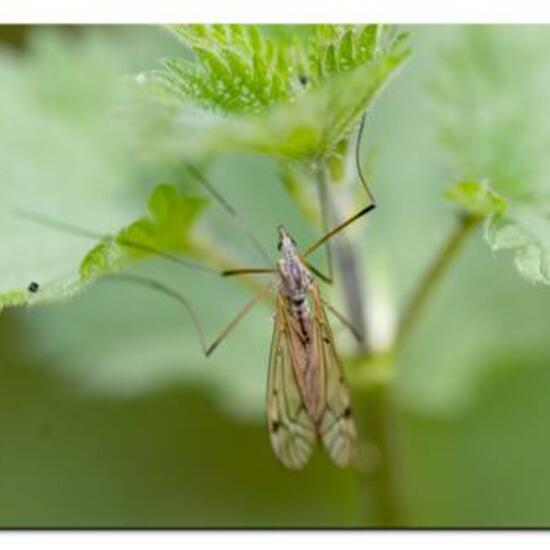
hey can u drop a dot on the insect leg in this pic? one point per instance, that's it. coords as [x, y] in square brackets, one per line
[325, 215]
[346, 322]
[328, 235]
[325, 278]
[233, 323]
[68, 228]
[224, 203]
[166, 290]
[339, 228]
[246, 271]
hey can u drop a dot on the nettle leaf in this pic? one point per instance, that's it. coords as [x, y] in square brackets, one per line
[494, 122]
[167, 228]
[235, 69]
[63, 153]
[526, 232]
[477, 198]
[291, 99]
[64, 157]
[340, 48]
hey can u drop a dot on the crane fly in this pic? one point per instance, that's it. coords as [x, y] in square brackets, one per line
[307, 397]
[308, 400]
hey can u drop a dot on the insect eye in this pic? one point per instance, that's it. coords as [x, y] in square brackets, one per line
[279, 245]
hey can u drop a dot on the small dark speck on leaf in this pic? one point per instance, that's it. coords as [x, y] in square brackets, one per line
[33, 287]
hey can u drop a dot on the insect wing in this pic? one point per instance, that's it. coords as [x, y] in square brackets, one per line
[336, 426]
[291, 430]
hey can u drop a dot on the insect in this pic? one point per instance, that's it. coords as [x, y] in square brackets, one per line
[307, 397]
[308, 400]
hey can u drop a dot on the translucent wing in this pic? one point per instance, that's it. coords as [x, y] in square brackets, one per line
[291, 430]
[336, 426]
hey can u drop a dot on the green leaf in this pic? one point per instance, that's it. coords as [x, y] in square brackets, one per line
[233, 71]
[166, 228]
[310, 127]
[477, 198]
[526, 232]
[245, 92]
[65, 155]
[494, 122]
[62, 152]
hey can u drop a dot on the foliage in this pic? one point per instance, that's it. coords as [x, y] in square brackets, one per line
[478, 199]
[294, 99]
[62, 153]
[167, 228]
[470, 383]
[486, 75]
[264, 107]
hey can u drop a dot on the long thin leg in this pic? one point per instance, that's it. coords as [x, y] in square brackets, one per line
[199, 176]
[346, 322]
[338, 228]
[358, 159]
[328, 235]
[246, 271]
[325, 278]
[264, 270]
[347, 258]
[231, 325]
[46, 221]
[326, 216]
[207, 349]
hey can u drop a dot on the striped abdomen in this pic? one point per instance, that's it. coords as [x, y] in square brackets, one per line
[300, 312]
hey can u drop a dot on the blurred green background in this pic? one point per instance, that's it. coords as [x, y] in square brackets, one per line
[109, 416]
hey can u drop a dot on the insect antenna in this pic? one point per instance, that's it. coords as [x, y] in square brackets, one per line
[43, 220]
[224, 203]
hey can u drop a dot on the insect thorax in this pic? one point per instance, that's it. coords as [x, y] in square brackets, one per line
[294, 277]
[295, 282]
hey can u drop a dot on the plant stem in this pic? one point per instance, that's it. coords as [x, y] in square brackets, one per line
[382, 503]
[347, 260]
[379, 482]
[466, 224]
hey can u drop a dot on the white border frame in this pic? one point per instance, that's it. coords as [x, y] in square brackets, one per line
[274, 11]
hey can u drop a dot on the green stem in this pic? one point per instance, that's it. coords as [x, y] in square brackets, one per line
[382, 503]
[346, 256]
[373, 379]
[449, 250]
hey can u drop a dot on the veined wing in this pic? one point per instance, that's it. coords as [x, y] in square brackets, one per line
[291, 430]
[336, 426]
